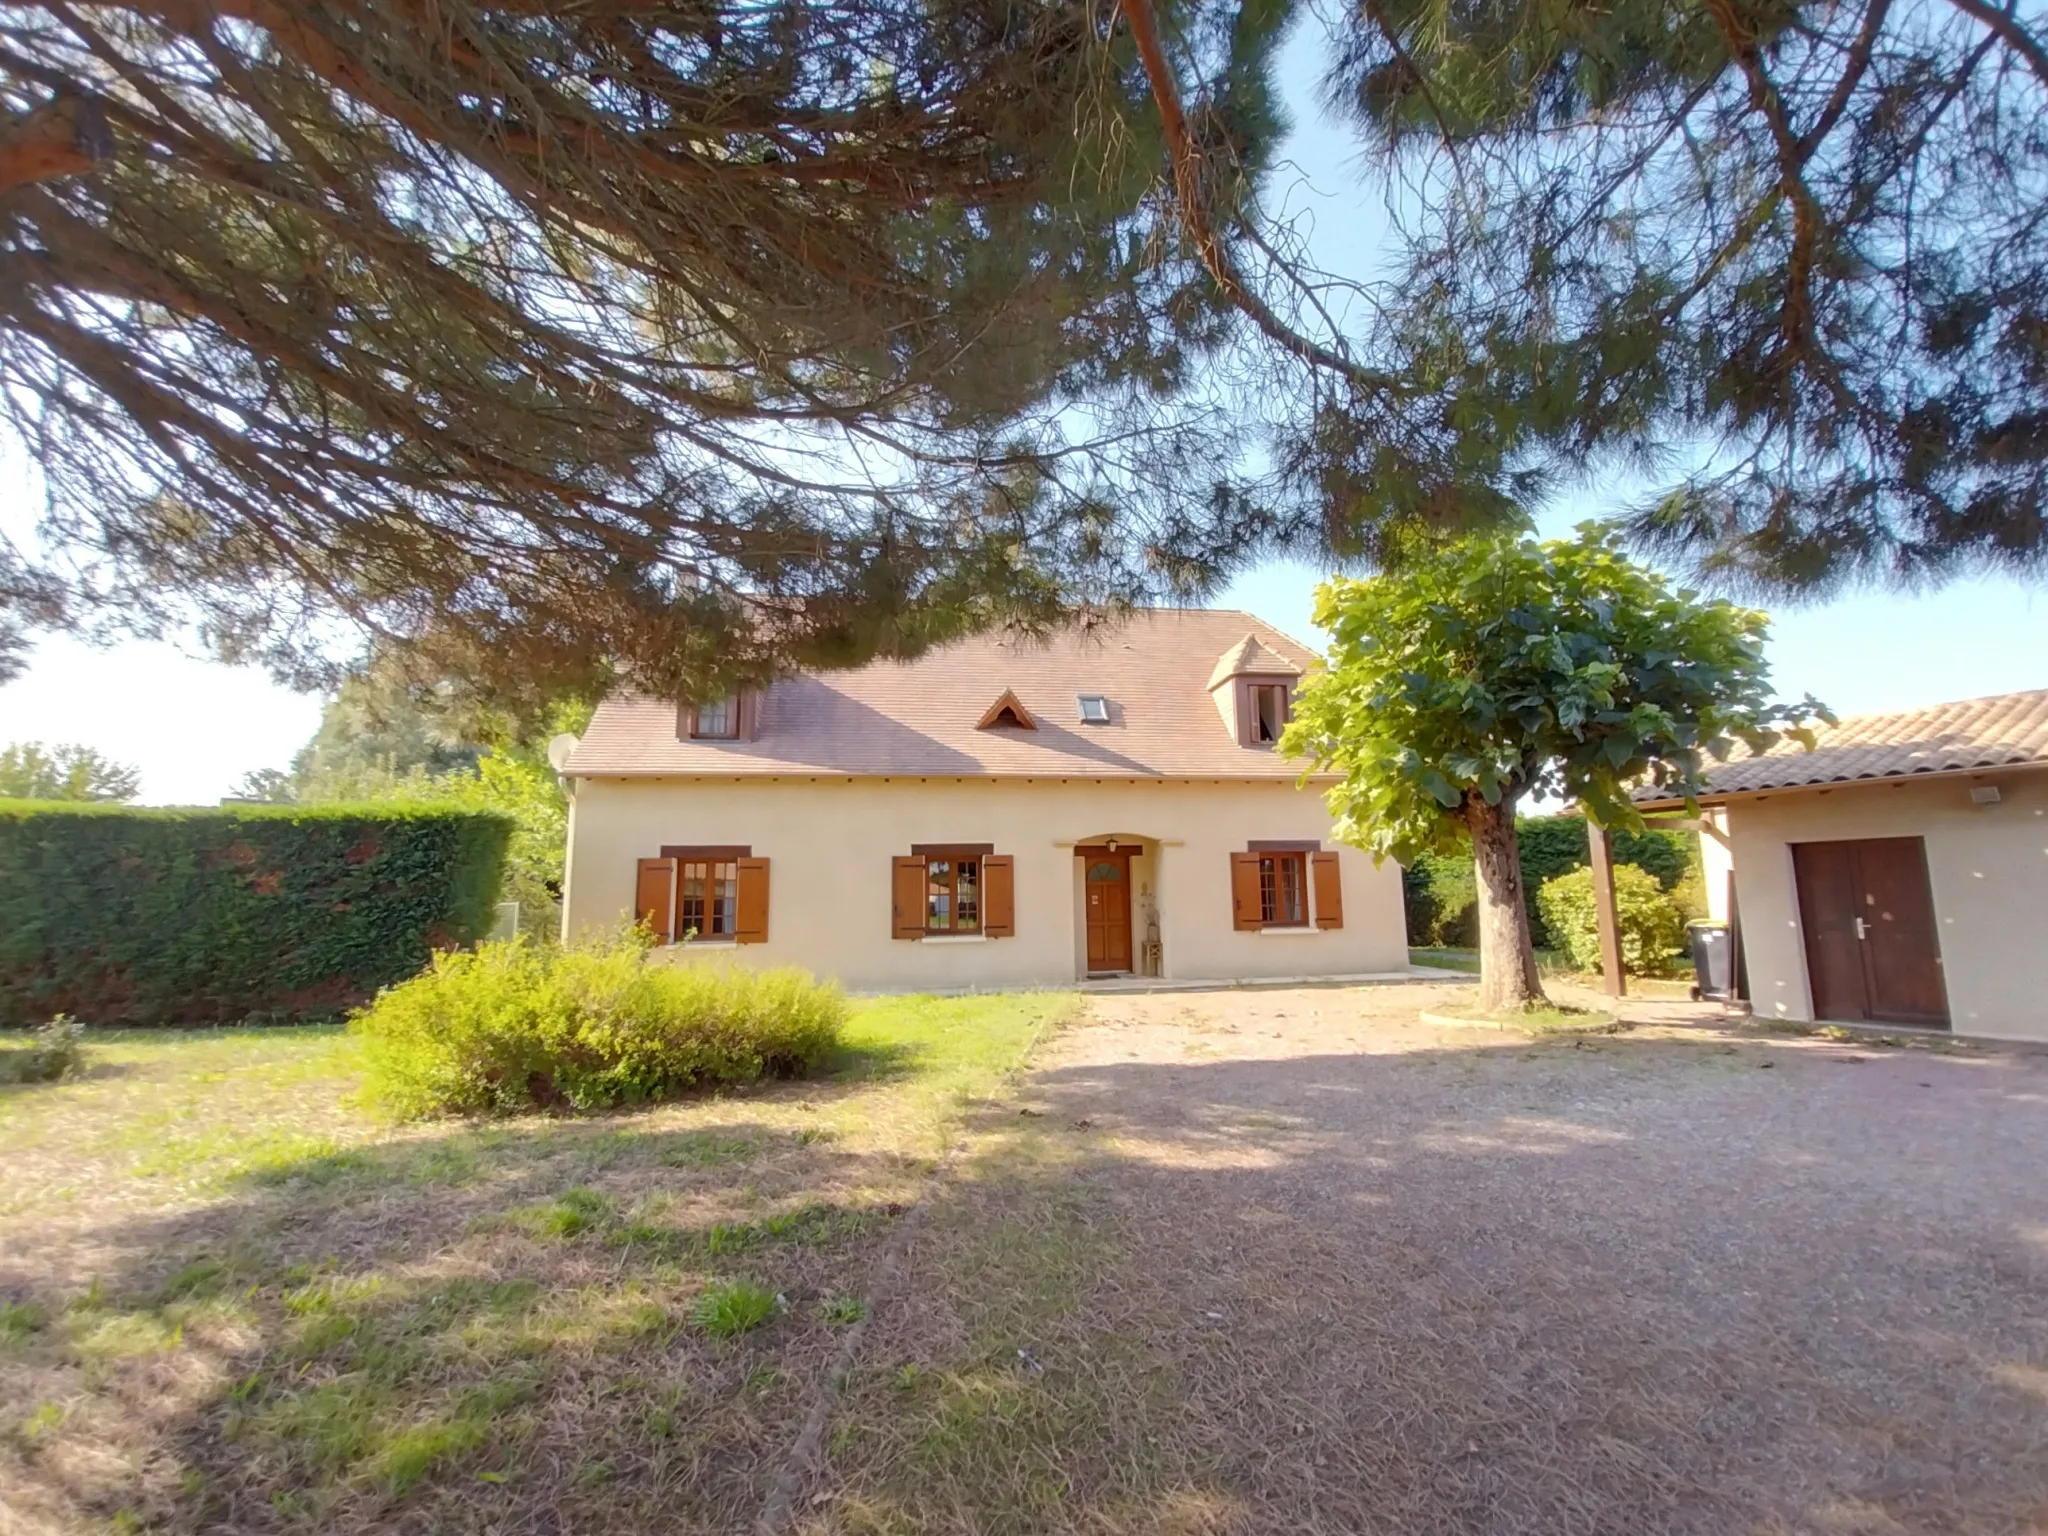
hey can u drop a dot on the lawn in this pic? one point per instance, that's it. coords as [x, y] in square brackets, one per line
[231, 1299]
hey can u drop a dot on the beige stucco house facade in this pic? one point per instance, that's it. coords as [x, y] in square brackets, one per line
[998, 813]
[1898, 873]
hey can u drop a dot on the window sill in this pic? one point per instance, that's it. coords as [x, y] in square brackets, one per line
[718, 943]
[1291, 931]
[956, 938]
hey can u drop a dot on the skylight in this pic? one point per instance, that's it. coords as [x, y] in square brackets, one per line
[1094, 709]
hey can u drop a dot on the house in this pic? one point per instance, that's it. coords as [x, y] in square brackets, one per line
[1897, 874]
[999, 812]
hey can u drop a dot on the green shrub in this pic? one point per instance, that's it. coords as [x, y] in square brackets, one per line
[1652, 926]
[57, 1052]
[1556, 845]
[1441, 894]
[516, 1026]
[126, 916]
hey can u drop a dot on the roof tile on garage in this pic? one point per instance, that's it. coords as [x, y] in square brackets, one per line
[2004, 730]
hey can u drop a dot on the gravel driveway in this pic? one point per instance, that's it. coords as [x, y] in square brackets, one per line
[1326, 1269]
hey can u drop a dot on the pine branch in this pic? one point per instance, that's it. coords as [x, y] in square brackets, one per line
[1194, 213]
[66, 136]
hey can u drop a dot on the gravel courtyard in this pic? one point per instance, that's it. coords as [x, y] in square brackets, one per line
[1292, 1261]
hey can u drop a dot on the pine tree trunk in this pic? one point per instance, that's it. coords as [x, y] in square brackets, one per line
[1507, 958]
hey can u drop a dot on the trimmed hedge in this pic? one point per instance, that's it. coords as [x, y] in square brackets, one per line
[1441, 894]
[120, 915]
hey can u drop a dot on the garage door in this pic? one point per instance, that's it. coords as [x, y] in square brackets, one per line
[1872, 952]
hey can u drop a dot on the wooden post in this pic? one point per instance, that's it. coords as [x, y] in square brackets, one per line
[1737, 993]
[1601, 854]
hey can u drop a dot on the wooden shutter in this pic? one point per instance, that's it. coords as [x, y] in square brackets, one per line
[750, 924]
[654, 900]
[906, 884]
[999, 895]
[1329, 885]
[1244, 890]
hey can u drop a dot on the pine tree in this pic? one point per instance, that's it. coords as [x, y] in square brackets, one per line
[698, 339]
[1787, 261]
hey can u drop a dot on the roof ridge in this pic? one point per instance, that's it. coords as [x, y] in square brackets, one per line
[1921, 709]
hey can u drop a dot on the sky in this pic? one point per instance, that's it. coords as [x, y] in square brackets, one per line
[194, 727]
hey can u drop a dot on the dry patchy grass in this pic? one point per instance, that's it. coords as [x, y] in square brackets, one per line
[231, 1301]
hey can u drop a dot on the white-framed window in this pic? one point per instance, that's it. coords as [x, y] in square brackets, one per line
[716, 719]
[1094, 709]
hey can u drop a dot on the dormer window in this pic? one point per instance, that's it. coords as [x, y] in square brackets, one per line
[1253, 686]
[1266, 712]
[716, 719]
[1094, 708]
[1007, 710]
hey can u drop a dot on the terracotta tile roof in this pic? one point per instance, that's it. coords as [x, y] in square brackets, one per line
[919, 717]
[2003, 731]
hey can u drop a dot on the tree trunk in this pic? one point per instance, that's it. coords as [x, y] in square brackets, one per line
[1507, 959]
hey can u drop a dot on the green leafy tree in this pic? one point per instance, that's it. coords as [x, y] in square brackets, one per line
[385, 723]
[270, 786]
[31, 771]
[1498, 668]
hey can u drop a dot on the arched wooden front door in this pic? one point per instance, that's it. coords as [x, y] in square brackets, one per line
[1106, 882]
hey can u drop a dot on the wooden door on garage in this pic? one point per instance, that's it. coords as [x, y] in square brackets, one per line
[1872, 952]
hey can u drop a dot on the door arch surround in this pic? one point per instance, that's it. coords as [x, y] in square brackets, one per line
[1117, 918]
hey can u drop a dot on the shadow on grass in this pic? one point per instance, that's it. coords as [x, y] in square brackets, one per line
[873, 1062]
[1627, 1284]
[11, 1062]
[460, 1326]
[606, 1322]
[527, 1150]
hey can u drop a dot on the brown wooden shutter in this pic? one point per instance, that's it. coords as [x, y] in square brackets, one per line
[1329, 890]
[654, 900]
[999, 895]
[906, 883]
[750, 923]
[1244, 890]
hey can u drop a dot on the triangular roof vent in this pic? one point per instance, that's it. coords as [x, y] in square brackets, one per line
[1007, 710]
[1251, 655]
